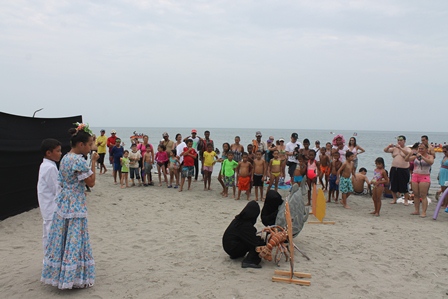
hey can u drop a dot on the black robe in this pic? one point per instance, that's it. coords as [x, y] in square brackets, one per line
[270, 208]
[240, 237]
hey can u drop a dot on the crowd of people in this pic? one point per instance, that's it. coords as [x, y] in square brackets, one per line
[68, 260]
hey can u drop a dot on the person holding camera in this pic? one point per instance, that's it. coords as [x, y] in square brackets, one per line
[399, 172]
[420, 177]
[292, 151]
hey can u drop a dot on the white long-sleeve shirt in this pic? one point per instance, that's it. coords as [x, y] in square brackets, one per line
[47, 188]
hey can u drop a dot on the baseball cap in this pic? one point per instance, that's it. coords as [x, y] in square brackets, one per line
[281, 139]
[103, 130]
[164, 134]
[294, 135]
[113, 132]
[269, 141]
[258, 133]
[194, 131]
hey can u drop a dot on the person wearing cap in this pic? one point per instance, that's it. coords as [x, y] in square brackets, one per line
[399, 171]
[316, 148]
[101, 142]
[110, 144]
[196, 141]
[258, 144]
[291, 151]
[169, 144]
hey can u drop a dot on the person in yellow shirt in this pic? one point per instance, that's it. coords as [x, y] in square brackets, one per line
[209, 161]
[101, 142]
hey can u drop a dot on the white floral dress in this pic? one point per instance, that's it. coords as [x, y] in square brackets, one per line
[68, 261]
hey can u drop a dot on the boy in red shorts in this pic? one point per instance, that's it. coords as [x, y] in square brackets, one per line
[244, 176]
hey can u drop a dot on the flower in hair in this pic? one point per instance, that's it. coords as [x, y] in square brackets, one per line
[83, 127]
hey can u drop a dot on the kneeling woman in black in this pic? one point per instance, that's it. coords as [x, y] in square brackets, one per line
[240, 238]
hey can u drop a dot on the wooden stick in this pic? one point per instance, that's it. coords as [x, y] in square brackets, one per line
[296, 274]
[289, 280]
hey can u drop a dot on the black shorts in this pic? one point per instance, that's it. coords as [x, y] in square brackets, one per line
[291, 168]
[399, 179]
[101, 158]
[258, 180]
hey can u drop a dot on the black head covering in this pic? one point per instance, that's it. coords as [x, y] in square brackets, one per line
[249, 213]
[270, 208]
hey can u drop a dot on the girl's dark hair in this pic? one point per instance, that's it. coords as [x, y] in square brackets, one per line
[78, 136]
[178, 134]
[228, 146]
[354, 141]
[174, 152]
[162, 147]
[380, 160]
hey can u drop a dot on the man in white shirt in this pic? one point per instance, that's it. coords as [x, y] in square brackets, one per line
[290, 153]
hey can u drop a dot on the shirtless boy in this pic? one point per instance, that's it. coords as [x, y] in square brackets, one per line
[147, 164]
[334, 188]
[275, 170]
[344, 181]
[258, 177]
[324, 168]
[358, 184]
[300, 170]
[244, 175]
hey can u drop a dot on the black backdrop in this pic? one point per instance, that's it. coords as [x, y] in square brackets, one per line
[20, 157]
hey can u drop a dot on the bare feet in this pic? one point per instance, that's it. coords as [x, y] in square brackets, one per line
[256, 198]
[225, 195]
[122, 187]
[347, 207]
[237, 198]
[376, 215]
[308, 204]
[415, 213]
[423, 215]
[373, 213]
[329, 200]
[393, 202]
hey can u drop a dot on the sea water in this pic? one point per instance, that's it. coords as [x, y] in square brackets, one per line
[373, 142]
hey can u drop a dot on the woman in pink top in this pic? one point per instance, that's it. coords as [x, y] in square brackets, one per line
[420, 177]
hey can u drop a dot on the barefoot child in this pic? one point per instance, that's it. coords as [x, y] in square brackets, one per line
[312, 172]
[124, 161]
[344, 181]
[209, 161]
[379, 179]
[258, 177]
[134, 158]
[244, 174]
[47, 184]
[324, 162]
[275, 170]
[225, 150]
[174, 168]
[189, 154]
[147, 164]
[300, 170]
[117, 153]
[162, 159]
[334, 188]
[228, 172]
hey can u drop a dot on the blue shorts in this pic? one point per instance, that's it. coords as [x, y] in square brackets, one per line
[187, 171]
[345, 185]
[117, 166]
[298, 178]
[332, 180]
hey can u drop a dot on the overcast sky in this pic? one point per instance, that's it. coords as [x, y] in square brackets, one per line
[373, 65]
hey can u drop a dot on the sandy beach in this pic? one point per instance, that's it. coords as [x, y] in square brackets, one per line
[154, 242]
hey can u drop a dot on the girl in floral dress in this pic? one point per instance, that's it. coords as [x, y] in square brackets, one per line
[68, 261]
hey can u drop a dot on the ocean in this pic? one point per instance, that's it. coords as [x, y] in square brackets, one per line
[373, 142]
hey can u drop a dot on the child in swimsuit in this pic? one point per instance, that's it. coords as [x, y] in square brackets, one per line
[275, 169]
[161, 159]
[311, 172]
[173, 167]
[300, 170]
[379, 179]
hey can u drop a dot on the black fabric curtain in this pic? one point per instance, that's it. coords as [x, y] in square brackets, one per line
[20, 140]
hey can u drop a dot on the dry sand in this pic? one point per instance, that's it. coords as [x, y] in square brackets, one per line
[154, 242]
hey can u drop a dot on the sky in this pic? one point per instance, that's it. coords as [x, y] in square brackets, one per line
[331, 64]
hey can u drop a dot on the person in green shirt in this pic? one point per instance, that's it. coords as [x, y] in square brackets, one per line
[228, 172]
[124, 169]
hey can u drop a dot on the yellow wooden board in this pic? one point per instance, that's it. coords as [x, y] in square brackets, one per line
[313, 199]
[321, 205]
